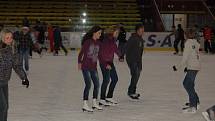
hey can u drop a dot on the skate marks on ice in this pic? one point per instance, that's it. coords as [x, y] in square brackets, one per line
[56, 91]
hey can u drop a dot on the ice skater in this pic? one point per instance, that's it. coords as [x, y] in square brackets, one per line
[134, 52]
[24, 46]
[190, 60]
[106, 55]
[87, 62]
[9, 59]
[179, 38]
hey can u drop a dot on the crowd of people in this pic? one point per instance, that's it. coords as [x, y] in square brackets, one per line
[100, 45]
[207, 32]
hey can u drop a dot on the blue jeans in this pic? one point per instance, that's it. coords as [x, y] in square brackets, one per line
[25, 58]
[3, 102]
[88, 76]
[189, 85]
[107, 75]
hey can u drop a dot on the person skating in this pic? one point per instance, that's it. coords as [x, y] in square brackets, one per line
[87, 62]
[122, 40]
[106, 55]
[191, 61]
[179, 38]
[24, 45]
[58, 41]
[207, 33]
[9, 59]
[134, 52]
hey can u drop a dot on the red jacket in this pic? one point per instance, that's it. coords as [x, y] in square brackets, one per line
[207, 33]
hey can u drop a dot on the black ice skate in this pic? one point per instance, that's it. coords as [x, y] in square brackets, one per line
[134, 96]
[188, 105]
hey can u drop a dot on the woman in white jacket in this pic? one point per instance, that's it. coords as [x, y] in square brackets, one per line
[191, 61]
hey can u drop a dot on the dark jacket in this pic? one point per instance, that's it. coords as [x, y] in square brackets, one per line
[10, 59]
[107, 50]
[134, 49]
[25, 41]
[180, 34]
[122, 35]
[88, 55]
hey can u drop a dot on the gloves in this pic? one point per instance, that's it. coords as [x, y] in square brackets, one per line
[25, 82]
[174, 68]
[185, 70]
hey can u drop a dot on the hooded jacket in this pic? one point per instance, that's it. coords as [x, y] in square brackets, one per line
[191, 55]
[107, 50]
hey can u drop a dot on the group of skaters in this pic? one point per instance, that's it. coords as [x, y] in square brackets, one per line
[207, 32]
[100, 44]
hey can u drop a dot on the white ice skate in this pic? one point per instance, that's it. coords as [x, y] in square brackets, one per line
[206, 116]
[96, 106]
[86, 107]
[112, 101]
[190, 110]
[104, 103]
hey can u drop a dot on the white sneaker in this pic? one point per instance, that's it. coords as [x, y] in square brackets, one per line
[96, 106]
[86, 107]
[111, 101]
[191, 110]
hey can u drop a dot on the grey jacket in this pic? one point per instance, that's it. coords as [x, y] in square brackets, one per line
[10, 59]
[134, 49]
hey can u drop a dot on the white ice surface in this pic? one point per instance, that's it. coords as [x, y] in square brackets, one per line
[55, 93]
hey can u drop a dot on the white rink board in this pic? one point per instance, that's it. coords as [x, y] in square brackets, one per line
[152, 39]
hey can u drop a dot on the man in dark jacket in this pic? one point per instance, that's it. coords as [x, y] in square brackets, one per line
[179, 38]
[58, 41]
[9, 59]
[134, 52]
[25, 43]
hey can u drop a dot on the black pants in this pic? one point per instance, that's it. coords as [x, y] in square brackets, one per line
[135, 70]
[3, 102]
[176, 42]
[207, 46]
[57, 47]
[121, 47]
[107, 75]
[189, 85]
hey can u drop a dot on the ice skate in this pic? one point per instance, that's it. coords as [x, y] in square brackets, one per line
[206, 116]
[86, 108]
[188, 105]
[104, 103]
[96, 106]
[134, 96]
[190, 110]
[110, 100]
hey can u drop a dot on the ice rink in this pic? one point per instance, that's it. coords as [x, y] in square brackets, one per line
[56, 87]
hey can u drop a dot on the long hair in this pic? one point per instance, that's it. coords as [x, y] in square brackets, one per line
[112, 29]
[90, 33]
